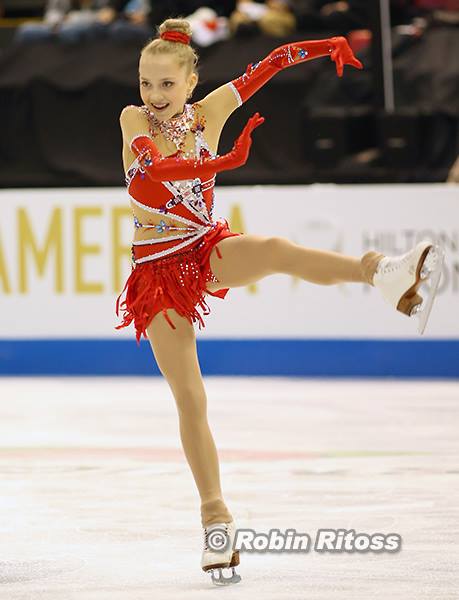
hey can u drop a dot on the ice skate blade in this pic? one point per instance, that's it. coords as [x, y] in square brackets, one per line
[435, 261]
[410, 298]
[222, 580]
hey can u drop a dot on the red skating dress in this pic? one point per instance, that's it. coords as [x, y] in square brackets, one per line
[172, 272]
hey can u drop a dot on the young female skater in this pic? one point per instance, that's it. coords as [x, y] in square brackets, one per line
[180, 254]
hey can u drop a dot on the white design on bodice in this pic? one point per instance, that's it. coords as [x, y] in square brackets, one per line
[190, 193]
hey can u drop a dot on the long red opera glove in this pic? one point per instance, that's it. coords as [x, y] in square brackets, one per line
[160, 168]
[256, 75]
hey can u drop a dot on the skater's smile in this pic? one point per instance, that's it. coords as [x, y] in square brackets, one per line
[165, 85]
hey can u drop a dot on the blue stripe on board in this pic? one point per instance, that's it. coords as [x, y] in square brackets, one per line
[279, 357]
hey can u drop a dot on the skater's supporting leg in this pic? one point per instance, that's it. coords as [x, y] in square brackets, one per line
[176, 356]
[248, 258]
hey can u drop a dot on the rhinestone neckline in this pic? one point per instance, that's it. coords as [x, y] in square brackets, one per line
[175, 129]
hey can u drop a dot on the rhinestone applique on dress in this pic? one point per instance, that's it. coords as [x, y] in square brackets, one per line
[174, 130]
[188, 192]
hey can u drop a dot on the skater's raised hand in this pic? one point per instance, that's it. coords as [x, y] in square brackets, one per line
[243, 143]
[343, 55]
[160, 168]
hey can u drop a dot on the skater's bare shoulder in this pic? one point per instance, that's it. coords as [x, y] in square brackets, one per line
[133, 122]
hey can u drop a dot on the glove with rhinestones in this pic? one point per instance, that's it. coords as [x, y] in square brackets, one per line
[160, 168]
[256, 75]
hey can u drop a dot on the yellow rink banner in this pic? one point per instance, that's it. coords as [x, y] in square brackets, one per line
[65, 255]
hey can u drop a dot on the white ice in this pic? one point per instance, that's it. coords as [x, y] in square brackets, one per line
[97, 500]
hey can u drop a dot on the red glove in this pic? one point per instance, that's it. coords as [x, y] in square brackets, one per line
[256, 75]
[160, 168]
[343, 55]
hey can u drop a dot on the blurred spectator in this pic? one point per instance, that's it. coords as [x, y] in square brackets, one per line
[208, 27]
[209, 18]
[73, 20]
[67, 19]
[273, 17]
[438, 11]
[128, 19]
[163, 9]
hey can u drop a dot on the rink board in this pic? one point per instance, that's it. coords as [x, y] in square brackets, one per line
[65, 255]
[289, 358]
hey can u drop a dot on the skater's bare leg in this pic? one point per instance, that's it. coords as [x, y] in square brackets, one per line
[248, 258]
[176, 356]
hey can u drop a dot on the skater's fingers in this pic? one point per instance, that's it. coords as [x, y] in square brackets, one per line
[355, 62]
[251, 124]
[254, 120]
[339, 66]
[258, 122]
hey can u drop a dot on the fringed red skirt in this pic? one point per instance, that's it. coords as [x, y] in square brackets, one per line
[176, 281]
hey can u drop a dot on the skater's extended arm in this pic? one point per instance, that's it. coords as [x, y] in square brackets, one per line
[160, 168]
[220, 103]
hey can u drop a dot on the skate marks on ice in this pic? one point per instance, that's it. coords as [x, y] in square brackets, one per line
[97, 500]
[22, 571]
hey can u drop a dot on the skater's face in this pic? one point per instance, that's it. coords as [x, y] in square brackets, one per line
[163, 81]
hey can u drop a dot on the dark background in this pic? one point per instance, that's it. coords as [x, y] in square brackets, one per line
[60, 104]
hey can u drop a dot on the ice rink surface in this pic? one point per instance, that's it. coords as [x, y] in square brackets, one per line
[98, 502]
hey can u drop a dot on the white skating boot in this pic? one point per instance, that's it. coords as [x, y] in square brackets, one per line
[218, 552]
[399, 278]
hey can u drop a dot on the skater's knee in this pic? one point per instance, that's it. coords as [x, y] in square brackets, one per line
[191, 401]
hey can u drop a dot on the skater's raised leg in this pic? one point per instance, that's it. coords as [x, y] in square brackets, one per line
[249, 258]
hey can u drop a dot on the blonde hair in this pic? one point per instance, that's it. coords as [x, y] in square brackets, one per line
[184, 53]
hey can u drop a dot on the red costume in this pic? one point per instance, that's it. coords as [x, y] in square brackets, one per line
[172, 272]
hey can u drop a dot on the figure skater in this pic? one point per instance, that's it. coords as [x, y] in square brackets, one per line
[180, 253]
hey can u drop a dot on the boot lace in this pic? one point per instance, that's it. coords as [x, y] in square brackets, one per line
[394, 263]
